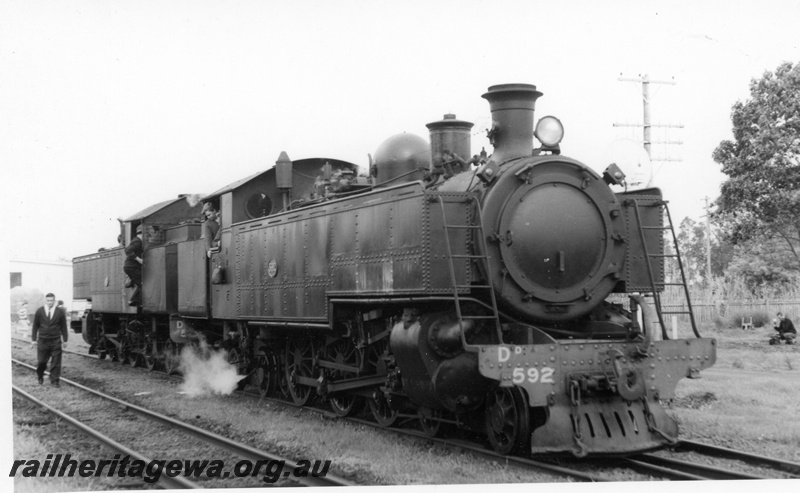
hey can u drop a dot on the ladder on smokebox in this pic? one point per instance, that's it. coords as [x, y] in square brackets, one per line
[649, 256]
[489, 286]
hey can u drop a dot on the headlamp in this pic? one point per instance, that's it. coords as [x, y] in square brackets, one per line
[549, 131]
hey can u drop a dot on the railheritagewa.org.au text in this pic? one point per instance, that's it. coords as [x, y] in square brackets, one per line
[63, 465]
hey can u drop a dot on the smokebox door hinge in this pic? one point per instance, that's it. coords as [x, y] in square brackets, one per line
[507, 238]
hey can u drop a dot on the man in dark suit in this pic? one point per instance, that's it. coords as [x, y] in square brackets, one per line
[49, 327]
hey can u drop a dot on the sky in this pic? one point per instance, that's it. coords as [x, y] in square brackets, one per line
[107, 107]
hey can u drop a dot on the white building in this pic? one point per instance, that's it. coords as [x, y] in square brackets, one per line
[46, 276]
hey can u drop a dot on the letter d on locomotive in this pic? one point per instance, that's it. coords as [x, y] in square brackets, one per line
[503, 354]
[181, 330]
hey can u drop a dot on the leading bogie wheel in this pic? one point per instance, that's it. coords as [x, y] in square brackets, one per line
[381, 411]
[429, 423]
[508, 421]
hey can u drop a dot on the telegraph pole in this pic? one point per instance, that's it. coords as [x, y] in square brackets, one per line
[708, 239]
[646, 125]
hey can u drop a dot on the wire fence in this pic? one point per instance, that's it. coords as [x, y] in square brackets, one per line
[722, 309]
[734, 313]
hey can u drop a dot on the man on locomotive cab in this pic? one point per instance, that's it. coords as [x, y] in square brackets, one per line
[211, 227]
[133, 265]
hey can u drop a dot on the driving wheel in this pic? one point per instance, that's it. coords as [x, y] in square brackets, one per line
[265, 374]
[124, 351]
[237, 358]
[299, 361]
[344, 352]
[171, 357]
[149, 353]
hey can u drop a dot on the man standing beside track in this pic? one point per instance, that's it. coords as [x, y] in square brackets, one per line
[49, 327]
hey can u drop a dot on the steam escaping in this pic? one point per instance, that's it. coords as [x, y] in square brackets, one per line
[206, 371]
[192, 198]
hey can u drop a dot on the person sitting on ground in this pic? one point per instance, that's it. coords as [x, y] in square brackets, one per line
[786, 330]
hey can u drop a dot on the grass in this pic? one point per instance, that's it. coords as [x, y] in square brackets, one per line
[36, 434]
[749, 349]
[754, 409]
[759, 415]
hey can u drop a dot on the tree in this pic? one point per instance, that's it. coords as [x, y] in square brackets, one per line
[760, 200]
[692, 244]
[764, 265]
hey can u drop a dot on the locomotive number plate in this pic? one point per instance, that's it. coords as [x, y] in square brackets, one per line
[533, 375]
[532, 367]
[272, 268]
[520, 374]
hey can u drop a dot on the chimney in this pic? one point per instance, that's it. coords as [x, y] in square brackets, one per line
[512, 120]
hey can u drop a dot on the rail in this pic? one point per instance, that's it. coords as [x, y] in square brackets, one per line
[214, 439]
[176, 482]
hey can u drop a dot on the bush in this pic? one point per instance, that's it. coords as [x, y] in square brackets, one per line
[760, 318]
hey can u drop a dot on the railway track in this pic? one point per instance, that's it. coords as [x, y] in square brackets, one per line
[791, 468]
[648, 464]
[295, 472]
[165, 482]
[691, 455]
[471, 448]
[678, 469]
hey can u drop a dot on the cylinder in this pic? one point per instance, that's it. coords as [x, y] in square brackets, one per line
[512, 120]
[450, 135]
[436, 372]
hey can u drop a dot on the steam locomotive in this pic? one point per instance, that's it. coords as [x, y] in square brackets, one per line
[514, 294]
